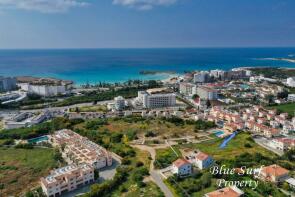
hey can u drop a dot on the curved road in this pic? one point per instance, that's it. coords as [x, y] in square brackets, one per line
[156, 177]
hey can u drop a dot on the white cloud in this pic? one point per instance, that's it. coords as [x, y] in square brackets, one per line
[144, 4]
[44, 6]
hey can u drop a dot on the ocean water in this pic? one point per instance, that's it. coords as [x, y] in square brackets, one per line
[118, 65]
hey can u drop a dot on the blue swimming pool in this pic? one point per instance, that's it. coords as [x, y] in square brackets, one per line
[38, 139]
[218, 133]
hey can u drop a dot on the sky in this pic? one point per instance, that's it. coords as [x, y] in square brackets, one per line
[146, 23]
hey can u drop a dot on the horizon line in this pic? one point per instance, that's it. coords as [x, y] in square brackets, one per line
[176, 47]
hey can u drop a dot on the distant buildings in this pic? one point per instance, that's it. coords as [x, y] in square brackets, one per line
[202, 77]
[217, 74]
[274, 173]
[80, 150]
[26, 119]
[119, 103]
[207, 93]
[291, 97]
[187, 89]
[291, 82]
[232, 191]
[45, 87]
[156, 98]
[182, 167]
[7, 84]
[66, 179]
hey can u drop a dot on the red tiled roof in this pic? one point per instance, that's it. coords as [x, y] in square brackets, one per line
[275, 170]
[180, 162]
[201, 156]
[225, 192]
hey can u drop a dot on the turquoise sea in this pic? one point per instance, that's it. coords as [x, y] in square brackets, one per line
[117, 65]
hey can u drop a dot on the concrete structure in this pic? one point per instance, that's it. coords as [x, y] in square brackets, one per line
[207, 93]
[282, 143]
[202, 77]
[274, 173]
[66, 179]
[44, 86]
[119, 103]
[78, 149]
[291, 97]
[232, 191]
[45, 90]
[156, 98]
[182, 167]
[291, 82]
[41, 117]
[217, 74]
[18, 121]
[187, 89]
[7, 84]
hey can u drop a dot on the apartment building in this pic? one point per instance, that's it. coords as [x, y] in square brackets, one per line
[187, 89]
[156, 98]
[78, 149]
[66, 179]
[202, 77]
[7, 84]
[207, 93]
[119, 103]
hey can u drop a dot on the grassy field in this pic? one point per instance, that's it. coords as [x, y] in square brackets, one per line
[21, 169]
[95, 108]
[234, 148]
[287, 108]
[159, 127]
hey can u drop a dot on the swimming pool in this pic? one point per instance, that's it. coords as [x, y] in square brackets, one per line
[218, 133]
[38, 139]
[244, 86]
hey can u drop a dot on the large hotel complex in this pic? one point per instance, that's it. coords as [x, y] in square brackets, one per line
[156, 98]
[83, 156]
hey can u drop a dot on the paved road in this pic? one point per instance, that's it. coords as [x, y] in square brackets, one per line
[158, 180]
[156, 177]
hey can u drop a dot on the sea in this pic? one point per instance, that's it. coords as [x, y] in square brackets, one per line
[118, 65]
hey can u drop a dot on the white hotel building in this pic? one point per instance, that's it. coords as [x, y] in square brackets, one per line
[156, 98]
[67, 179]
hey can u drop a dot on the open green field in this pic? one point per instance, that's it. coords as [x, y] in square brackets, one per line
[95, 108]
[234, 147]
[159, 127]
[21, 169]
[286, 108]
